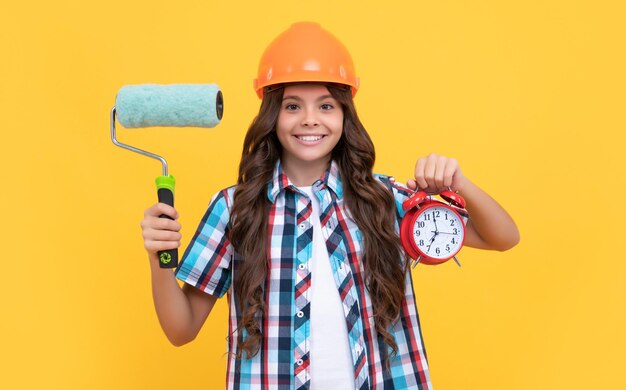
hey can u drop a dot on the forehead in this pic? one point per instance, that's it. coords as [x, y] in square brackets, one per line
[309, 90]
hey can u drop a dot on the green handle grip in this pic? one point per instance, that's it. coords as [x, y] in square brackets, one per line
[165, 191]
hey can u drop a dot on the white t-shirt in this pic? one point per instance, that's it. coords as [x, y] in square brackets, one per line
[331, 359]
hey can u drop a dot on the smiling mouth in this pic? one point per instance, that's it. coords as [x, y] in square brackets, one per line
[309, 138]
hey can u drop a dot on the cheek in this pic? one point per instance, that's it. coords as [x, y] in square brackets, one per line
[339, 123]
[282, 128]
[282, 137]
[335, 138]
[338, 126]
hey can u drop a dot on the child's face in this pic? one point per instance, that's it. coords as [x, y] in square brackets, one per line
[309, 125]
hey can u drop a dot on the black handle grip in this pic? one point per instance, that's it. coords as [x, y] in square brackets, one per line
[168, 258]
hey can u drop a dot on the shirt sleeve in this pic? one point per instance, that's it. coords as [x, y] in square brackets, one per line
[206, 263]
[400, 193]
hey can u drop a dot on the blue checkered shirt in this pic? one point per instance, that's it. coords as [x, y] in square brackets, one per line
[210, 263]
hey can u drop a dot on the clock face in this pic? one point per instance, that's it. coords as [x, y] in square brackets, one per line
[438, 232]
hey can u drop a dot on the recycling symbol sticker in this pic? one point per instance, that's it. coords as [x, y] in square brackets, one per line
[165, 258]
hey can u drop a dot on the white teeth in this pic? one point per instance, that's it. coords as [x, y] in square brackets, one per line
[310, 138]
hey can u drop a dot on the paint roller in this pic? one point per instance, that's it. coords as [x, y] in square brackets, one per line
[174, 105]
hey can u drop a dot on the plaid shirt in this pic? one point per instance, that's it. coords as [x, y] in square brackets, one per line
[209, 263]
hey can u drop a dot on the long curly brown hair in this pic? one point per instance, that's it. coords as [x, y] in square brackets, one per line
[371, 206]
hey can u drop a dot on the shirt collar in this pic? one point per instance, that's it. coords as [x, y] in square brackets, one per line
[280, 182]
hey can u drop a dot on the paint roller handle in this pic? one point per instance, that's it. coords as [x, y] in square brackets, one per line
[165, 192]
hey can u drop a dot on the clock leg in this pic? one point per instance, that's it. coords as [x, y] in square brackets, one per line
[416, 261]
[457, 261]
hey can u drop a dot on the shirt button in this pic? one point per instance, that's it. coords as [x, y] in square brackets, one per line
[302, 226]
[300, 314]
[301, 266]
[300, 362]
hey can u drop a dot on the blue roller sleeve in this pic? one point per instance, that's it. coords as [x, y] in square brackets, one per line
[174, 105]
[177, 105]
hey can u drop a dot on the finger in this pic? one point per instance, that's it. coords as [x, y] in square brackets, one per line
[157, 246]
[158, 223]
[451, 168]
[161, 235]
[419, 173]
[439, 172]
[162, 208]
[411, 184]
[152, 210]
[429, 171]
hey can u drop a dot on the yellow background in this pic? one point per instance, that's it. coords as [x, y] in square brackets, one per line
[527, 95]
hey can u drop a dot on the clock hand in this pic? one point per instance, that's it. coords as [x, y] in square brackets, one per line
[442, 232]
[431, 242]
[435, 221]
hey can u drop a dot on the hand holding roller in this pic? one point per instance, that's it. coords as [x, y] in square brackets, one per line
[175, 105]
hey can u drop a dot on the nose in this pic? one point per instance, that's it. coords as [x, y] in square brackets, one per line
[310, 120]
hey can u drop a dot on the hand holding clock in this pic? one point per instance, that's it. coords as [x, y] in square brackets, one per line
[490, 226]
[435, 173]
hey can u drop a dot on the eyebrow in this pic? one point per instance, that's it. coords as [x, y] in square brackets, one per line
[300, 99]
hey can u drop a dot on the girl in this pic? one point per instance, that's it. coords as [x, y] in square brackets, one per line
[306, 245]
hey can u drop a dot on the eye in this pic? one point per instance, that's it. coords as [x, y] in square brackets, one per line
[327, 106]
[291, 107]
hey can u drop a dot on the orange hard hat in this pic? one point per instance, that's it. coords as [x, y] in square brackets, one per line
[305, 52]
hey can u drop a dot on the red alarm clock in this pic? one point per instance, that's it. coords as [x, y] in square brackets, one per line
[433, 232]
